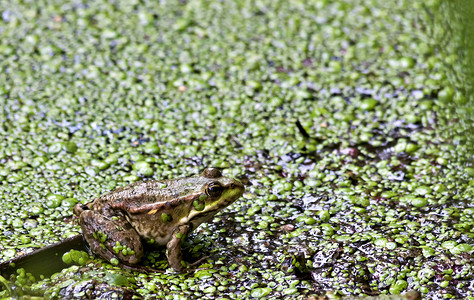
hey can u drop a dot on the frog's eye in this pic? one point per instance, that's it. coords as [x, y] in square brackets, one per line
[214, 190]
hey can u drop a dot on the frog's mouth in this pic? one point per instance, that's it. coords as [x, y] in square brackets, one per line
[229, 197]
[209, 211]
[202, 217]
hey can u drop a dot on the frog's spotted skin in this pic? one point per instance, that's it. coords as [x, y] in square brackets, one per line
[163, 211]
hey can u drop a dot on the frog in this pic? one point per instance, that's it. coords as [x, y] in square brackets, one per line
[117, 225]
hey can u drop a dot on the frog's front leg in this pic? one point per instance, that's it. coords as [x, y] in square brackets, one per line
[111, 237]
[173, 248]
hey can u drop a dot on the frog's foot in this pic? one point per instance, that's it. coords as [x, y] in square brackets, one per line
[141, 269]
[111, 237]
[199, 261]
[190, 266]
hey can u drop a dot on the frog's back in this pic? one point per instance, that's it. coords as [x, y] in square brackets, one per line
[149, 192]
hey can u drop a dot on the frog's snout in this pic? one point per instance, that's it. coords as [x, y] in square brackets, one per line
[237, 187]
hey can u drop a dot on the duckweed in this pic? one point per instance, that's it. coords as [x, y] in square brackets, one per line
[260, 292]
[419, 202]
[78, 257]
[341, 118]
[53, 200]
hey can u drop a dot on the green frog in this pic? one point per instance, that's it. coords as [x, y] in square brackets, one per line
[159, 212]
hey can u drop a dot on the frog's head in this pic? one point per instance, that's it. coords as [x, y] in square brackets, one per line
[216, 192]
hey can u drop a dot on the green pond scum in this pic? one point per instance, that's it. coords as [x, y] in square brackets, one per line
[349, 122]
